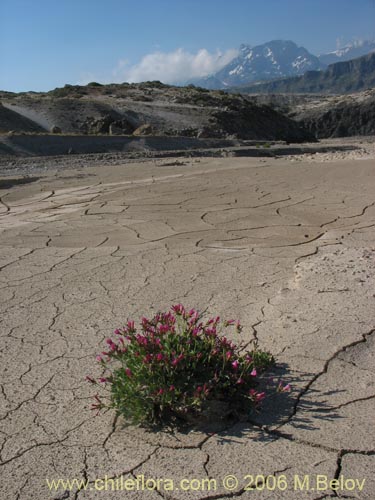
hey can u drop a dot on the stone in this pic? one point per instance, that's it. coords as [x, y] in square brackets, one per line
[145, 129]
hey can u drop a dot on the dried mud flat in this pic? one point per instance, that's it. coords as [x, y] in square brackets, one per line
[286, 246]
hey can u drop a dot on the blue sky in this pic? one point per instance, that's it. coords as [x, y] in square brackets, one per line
[47, 43]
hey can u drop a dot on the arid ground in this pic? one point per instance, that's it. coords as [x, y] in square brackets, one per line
[288, 247]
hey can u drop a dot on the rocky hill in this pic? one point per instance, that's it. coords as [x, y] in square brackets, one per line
[342, 116]
[339, 78]
[150, 108]
[326, 116]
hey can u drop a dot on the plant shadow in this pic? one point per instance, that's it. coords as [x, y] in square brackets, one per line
[277, 409]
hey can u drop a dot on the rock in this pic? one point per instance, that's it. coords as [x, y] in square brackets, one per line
[101, 126]
[145, 129]
[55, 129]
[209, 132]
[121, 127]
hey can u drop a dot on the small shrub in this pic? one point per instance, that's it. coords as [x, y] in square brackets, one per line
[174, 364]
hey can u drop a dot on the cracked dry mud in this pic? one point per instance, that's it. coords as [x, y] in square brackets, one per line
[287, 248]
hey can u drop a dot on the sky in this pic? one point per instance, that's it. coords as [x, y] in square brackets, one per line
[45, 44]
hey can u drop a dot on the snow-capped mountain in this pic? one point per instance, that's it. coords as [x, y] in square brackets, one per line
[352, 50]
[275, 59]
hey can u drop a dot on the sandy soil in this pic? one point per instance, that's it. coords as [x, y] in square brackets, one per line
[287, 247]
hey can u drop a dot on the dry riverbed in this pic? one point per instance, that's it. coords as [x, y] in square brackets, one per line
[286, 246]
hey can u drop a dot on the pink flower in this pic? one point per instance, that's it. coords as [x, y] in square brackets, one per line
[128, 372]
[283, 388]
[142, 340]
[240, 381]
[179, 309]
[164, 329]
[195, 331]
[147, 359]
[179, 358]
[111, 344]
[159, 357]
[253, 373]
[103, 380]
[235, 364]
[172, 388]
[228, 355]
[130, 326]
[257, 397]
[160, 391]
[260, 396]
[99, 359]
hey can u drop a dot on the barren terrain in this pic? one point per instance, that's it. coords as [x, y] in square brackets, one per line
[288, 247]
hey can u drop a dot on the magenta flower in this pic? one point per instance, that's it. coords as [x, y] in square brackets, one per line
[128, 372]
[235, 364]
[130, 326]
[147, 359]
[260, 396]
[179, 309]
[283, 388]
[253, 373]
[111, 344]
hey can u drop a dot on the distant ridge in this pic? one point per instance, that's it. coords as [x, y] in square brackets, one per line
[339, 78]
[350, 51]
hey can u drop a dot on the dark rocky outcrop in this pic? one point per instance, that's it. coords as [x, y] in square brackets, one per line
[10, 121]
[256, 122]
[347, 116]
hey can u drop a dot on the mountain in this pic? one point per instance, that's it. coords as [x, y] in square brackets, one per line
[339, 78]
[350, 51]
[275, 59]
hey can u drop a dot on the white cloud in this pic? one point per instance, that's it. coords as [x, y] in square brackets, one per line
[173, 67]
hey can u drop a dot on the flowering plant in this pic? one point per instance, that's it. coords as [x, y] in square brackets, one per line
[174, 365]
